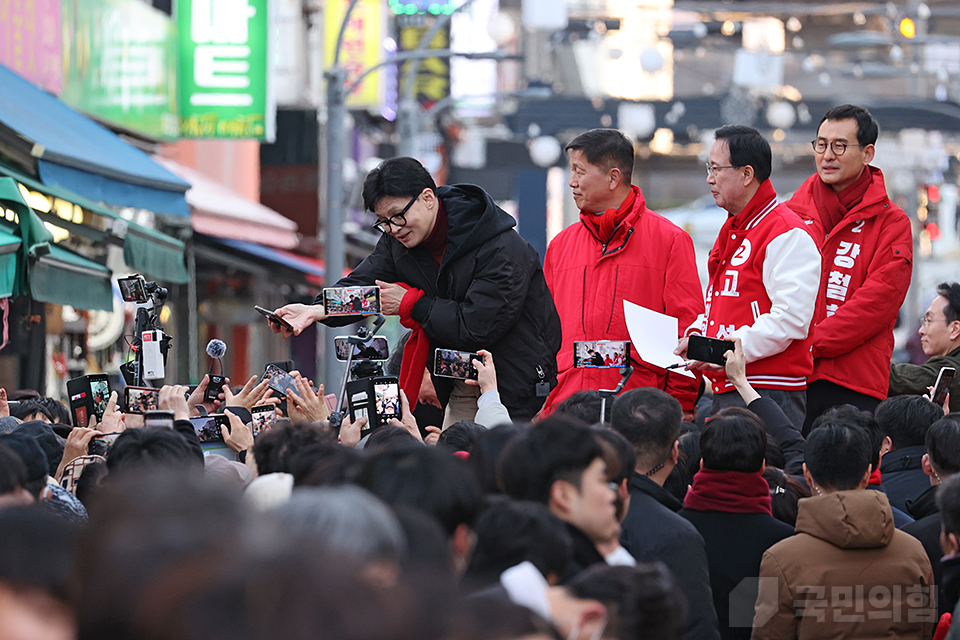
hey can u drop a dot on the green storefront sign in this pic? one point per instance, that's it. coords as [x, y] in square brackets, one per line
[120, 64]
[223, 69]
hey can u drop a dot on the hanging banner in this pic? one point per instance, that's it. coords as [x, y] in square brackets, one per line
[224, 88]
[360, 49]
[30, 40]
[432, 82]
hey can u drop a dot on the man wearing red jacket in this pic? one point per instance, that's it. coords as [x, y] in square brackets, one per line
[764, 274]
[867, 247]
[620, 250]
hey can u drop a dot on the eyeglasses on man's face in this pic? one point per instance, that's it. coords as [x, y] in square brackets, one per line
[820, 146]
[713, 168]
[397, 220]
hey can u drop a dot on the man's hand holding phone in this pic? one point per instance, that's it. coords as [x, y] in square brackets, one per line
[300, 316]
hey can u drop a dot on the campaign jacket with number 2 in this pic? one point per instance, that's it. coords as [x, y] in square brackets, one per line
[764, 274]
[867, 264]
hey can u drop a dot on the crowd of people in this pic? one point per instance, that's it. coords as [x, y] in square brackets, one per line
[809, 488]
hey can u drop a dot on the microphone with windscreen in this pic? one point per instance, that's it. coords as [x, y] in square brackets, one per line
[215, 349]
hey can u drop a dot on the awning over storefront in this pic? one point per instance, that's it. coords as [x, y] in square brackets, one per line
[41, 269]
[256, 258]
[217, 210]
[71, 151]
[146, 251]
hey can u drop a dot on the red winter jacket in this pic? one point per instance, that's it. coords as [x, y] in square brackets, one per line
[650, 262]
[867, 264]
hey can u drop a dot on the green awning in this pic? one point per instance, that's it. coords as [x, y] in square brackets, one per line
[63, 277]
[9, 244]
[146, 251]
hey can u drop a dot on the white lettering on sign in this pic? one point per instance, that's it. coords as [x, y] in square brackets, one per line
[221, 21]
[730, 278]
[221, 59]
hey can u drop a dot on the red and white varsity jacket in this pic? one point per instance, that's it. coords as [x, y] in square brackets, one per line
[764, 276]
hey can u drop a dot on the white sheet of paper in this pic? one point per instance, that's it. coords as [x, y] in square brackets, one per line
[654, 336]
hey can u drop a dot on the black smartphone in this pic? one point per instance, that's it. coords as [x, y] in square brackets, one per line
[214, 388]
[351, 301]
[133, 289]
[280, 380]
[158, 419]
[456, 364]
[376, 348]
[272, 317]
[359, 395]
[88, 397]
[140, 399]
[601, 354]
[942, 386]
[708, 349]
[207, 428]
[263, 416]
[386, 397]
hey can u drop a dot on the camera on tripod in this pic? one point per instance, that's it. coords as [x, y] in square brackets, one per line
[150, 344]
[366, 392]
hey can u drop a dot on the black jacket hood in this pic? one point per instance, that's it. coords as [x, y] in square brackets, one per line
[473, 216]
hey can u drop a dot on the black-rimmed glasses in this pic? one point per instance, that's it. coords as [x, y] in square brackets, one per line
[820, 146]
[396, 220]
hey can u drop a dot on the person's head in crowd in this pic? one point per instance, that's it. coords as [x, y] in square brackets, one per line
[433, 481]
[20, 395]
[774, 455]
[351, 521]
[9, 423]
[323, 464]
[275, 449]
[34, 460]
[948, 501]
[403, 185]
[650, 419]
[734, 439]
[559, 462]
[585, 406]
[486, 454]
[460, 436]
[740, 161]
[489, 617]
[837, 458]
[51, 444]
[621, 459]
[942, 458]
[90, 481]
[688, 462]
[642, 601]
[601, 163]
[940, 325]
[36, 556]
[13, 479]
[905, 420]
[135, 450]
[880, 443]
[785, 495]
[388, 437]
[58, 413]
[427, 549]
[32, 409]
[511, 531]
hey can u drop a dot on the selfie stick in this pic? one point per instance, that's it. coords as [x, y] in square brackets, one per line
[363, 335]
[605, 394]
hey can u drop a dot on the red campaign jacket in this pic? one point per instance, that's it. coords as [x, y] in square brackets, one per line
[650, 262]
[867, 265]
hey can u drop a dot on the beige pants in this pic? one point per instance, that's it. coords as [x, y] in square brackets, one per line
[462, 404]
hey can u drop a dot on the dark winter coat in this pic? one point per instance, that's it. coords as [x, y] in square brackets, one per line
[926, 529]
[489, 293]
[902, 477]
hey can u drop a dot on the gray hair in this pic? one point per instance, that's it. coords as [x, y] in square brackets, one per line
[346, 519]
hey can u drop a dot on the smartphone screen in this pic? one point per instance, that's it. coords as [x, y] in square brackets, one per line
[455, 364]
[206, 428]
[349, 301]
[386, 393]
[708, 349]
[158, 419]
[100, 391]
[942, 386]
[263, 416]
[601, 354]
[376, 348]
[280, 380]
[140, 399]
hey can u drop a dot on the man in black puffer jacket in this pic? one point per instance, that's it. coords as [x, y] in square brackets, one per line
[470, 282]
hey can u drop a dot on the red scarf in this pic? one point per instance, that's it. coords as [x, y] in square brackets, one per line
[605, 224]
[417, 350]
[833, 206]
[875, 477]
[728, 491]
[765, 193]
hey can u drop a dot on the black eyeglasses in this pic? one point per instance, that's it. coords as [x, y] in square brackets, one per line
[820, 146]
[397, 220]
